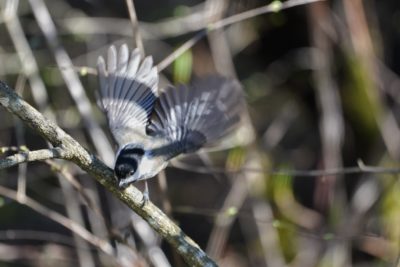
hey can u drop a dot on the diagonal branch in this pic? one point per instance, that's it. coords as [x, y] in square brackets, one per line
[73, 151]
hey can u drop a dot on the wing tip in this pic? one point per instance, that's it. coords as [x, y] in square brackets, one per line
[101, 64]
[123, 47]
[221, 116]
[122, 77]
[112, 49]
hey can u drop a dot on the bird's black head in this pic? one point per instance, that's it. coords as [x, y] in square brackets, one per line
[127, 164]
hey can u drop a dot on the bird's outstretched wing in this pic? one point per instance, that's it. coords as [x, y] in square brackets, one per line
[196, 116]
[128, 90]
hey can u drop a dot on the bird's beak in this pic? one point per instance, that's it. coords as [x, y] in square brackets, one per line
[123, 184]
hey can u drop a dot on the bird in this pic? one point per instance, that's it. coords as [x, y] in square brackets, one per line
[151, 126]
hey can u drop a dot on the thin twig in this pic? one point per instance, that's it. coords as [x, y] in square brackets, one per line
[294, 173]
[19, 132]
[27, 60]
[71, 225]
[77, 186]
[223, 222]
[27, 156]
[74, 213]
[218, 41]
[273, 7]
[331, 124]
[182, 49]
[50, 237]
[135, 26]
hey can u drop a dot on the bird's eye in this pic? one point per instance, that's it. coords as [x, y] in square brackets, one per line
[131, 172]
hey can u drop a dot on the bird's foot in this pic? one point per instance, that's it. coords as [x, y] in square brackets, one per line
[146, 195]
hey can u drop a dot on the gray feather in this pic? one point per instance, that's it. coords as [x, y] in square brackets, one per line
[197, 116]
[128, 91]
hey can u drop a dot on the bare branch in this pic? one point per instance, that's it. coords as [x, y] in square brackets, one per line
[27, 156]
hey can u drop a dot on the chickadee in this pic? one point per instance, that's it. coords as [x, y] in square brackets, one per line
[151, 127]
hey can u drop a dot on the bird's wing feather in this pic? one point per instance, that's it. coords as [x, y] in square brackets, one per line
[128, 91]
[196, 116]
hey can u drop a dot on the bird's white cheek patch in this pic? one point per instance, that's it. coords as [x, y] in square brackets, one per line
[146, 166]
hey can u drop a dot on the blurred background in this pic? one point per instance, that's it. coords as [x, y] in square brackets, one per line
[316, 184]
